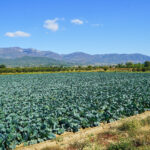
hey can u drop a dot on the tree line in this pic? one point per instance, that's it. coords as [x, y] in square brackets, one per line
[136, 66]
[129, 66]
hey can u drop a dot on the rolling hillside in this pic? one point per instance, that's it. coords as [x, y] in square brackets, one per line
[27, 61]
[31, 57]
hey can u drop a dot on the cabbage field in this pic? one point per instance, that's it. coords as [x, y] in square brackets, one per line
[34, 108]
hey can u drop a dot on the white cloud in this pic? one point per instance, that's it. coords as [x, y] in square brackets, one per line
[17, 34]
[77, 21]
[51, 24]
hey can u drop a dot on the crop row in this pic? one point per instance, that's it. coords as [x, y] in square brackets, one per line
[33, 108]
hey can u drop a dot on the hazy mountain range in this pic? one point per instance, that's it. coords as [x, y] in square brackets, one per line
[16, 56]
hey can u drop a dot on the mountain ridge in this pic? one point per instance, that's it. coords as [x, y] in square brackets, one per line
[74, 58]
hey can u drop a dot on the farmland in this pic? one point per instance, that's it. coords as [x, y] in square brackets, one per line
[34, 108]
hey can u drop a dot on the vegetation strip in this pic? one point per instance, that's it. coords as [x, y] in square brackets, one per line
[128, 67]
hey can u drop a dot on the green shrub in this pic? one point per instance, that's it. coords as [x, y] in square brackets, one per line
[122, 145]
[145, 121]
[130, 125]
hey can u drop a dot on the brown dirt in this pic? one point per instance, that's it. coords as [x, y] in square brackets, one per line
[106, 138]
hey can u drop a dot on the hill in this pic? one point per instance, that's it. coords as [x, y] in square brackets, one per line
[27, 61]
[32, 57]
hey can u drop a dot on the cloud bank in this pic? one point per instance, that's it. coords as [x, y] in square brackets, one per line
[17, 34]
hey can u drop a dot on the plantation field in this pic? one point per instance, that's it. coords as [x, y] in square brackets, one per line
[33, 108]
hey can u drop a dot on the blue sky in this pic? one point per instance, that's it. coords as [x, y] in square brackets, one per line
[65, 26]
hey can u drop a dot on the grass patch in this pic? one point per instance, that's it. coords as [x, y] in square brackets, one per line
[51, 148]
[132, 125]
[142, 140]
[138, 138]
[146, 121]
[79, 145]
[59, 139]
[121, 145]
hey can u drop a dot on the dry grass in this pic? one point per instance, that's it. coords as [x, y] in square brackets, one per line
[52, 148]
[106, 138]
[78, 145]
[138, 135]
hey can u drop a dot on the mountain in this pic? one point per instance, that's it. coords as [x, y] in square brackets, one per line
[27, 61]
[84, 58]
[78, 57]
[120, 58]
[17, 52]
[16, 56]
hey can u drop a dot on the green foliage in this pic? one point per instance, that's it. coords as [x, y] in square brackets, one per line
[2, 66]
[147, 64]
[130, 125]
[129, 65]
[136, 67]
[122, 145]
[33, 108]
[105, 68]
[145, 121]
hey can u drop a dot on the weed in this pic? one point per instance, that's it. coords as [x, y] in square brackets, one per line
[121, 145]
[132, 125]
[78, 145]
[59, 139]
[145, 121]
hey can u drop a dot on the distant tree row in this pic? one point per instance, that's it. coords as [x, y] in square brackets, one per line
[129, 66]
[136, 66]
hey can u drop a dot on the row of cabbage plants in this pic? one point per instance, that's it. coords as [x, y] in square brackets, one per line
[34, 108]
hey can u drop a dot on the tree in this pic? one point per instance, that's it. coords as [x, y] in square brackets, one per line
[120, 66]
[89, 67]
[105, 68]
[129, 64]
[147, 64]
[2, 66]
